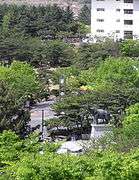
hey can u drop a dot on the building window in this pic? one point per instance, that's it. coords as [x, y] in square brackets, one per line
[100, 9]
[128, 22]
[128, 1]
[117, 20]
[118, 10]
[100, 20]
[128, 11]
[128, 34]
[100, 30]
[117, 31]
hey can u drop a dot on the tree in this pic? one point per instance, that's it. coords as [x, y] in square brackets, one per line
[22, 78]
[114, 88]
[59, 54]
[85, 15]
[131, 122]
[18, 83]
[17, 46]
[42, 21]
[12, 114]
[130, 48]
[6, 23]
[118, 71]
[126, 137]
[92, 55]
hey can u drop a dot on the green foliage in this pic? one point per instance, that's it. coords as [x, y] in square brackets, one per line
[83, 29]
[92, 55]
[10, 145]
[85, 15]
[130, 48]
[53, 53]
[22, 29]
[114, 87]
[52, 167]
[131, 122]
[132, 110]
[72, 83]
[21, 159]
[87, 76]
[6, 23]
[116, 166]
[59, 54]
[126, 138]
[13, 148]
[18, 83]
[12, 116]
[114, 99]
[118, 71]
[17, 46]
[65, 71]
[38, 21]
[21, 77]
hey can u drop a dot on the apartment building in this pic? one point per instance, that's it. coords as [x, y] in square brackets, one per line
[115, 18]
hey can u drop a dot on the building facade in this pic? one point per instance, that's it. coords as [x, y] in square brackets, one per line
[115, 18]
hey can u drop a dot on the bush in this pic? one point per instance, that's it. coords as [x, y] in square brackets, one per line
[130, 48]
[27, 162]
[92, 55]
[131, 122]
[65, 71]
[118, 71]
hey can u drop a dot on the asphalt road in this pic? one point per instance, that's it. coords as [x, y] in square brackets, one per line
[36, 115]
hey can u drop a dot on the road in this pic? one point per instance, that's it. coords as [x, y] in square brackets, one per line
[36, 115]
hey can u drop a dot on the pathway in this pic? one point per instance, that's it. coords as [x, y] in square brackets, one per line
[36, 115]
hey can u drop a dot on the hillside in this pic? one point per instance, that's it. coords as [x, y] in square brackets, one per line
[75, 4]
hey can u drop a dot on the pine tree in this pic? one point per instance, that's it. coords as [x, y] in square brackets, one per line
[85, 15]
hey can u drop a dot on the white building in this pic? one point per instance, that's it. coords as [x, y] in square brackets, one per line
[116, 18]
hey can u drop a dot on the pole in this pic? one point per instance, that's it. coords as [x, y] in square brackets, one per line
[42, 122]
[61, 86]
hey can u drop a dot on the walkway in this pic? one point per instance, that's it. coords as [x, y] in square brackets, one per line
[36, 115]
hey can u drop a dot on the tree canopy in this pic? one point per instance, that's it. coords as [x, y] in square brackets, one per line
[39, 21]
[18, 83]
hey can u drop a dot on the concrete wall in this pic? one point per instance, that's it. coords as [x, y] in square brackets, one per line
[99, 130]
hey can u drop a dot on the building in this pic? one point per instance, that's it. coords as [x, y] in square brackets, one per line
[115, 18]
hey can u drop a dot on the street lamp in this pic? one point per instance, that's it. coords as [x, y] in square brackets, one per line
[42, 123]
[61, 80]
[61, 86]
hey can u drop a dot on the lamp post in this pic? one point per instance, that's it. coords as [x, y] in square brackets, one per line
[42, 123]
[61, 86]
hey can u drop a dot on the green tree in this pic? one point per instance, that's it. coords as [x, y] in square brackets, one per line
[130, 48]
[18, 83]
[22, 78]
[12, 114]
[126, 137]
[131, 122]
[114, 87]
[39, 21]
[59, 54]
[119, 71]
[24, 48]
[6, 23]
[93, 55]
[85, 15]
